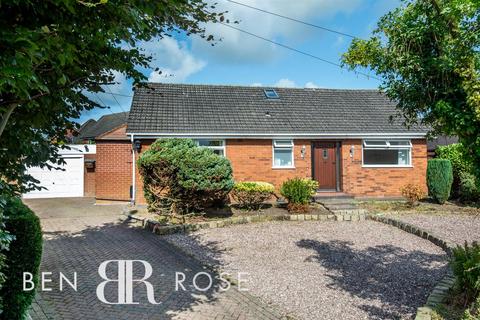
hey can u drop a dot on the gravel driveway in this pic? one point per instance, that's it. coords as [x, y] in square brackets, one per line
[457, 228]
[322, 270]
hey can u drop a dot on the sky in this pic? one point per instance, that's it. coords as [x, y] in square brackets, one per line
[241, 59]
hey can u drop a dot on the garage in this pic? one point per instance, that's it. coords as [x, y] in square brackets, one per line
[65, 182]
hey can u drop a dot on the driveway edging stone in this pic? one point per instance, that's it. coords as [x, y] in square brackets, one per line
[157, 228]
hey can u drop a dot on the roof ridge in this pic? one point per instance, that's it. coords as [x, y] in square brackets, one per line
[253, 87]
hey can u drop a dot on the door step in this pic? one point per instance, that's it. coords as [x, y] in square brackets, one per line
[340, 204]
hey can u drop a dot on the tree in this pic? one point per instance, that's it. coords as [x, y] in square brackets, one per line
[54, 52]
[427, 52]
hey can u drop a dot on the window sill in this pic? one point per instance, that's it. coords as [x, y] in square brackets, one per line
[290, 167]
[384, 166]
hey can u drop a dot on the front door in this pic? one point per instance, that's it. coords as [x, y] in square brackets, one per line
[325, 165]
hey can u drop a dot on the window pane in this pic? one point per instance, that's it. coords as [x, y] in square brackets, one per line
[283, 143]
[283, 158]
[386, 157]
[375, 143]
[210, 143]
[218, 151]
[404, 157]
[400, 143]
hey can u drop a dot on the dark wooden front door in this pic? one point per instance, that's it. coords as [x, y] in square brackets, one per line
[325, 165]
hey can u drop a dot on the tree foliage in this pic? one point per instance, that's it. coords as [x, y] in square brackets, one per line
[55, 51]
[427, 52]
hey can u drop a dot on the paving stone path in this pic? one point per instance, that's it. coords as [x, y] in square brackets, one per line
[79, 236]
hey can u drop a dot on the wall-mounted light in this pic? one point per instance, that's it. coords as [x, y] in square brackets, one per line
[137, 145]
[303, 151]
[352, 151]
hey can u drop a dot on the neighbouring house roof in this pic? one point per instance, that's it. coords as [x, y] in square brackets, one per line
[105, 124]
[179, 109]
[432, 144]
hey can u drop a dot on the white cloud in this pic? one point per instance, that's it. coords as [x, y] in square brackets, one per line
[311, 85]
[256, 84]
[285, 83]
[173, 59]
[239, 47]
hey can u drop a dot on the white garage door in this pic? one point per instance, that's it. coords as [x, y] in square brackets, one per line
[59, 183]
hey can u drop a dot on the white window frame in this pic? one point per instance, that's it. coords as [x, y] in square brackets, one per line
[222, 147]
[291, 147]
[388, 146]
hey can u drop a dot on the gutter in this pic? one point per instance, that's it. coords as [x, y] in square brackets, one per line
[149, 135]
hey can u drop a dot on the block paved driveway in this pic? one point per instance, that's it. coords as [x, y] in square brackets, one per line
[79, 236]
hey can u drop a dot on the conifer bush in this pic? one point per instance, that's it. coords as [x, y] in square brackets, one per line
[180, 177]
[439, 179]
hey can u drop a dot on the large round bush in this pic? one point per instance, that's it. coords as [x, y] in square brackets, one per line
[251, 194]
[179, 177]
[439, 179]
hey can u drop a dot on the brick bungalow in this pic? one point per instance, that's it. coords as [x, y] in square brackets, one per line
[344, 139]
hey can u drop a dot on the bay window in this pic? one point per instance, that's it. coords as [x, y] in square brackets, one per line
[283, 153]
[218, 146]
[387, 153]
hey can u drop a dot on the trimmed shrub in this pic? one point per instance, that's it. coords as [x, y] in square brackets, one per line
[412, 193]
[457, 155]
[439, 179]
[298, 192]
[466, 268]
[179, 177]
[469, 188]
[24, 255]
[251, 194]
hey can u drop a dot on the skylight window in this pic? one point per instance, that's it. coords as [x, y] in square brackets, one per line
[271, 94]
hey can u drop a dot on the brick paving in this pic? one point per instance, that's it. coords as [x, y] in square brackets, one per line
[79, 236]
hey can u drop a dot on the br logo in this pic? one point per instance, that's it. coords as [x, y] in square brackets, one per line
[124, 281]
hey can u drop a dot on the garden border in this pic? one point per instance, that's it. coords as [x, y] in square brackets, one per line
[158, 228]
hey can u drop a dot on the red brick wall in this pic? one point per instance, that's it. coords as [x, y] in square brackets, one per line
[381, 182]
[139, 197]
[89, 178]
[252, 161]
[113, 174]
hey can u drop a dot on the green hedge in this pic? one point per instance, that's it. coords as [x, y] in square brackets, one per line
[439, 179]
[461, 165]
[24, 256]
[179, 177]
[469, 190]
[251, 194]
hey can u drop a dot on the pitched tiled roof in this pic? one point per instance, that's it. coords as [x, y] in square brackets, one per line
[217, 109]
[104, 124]
[432, 144]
